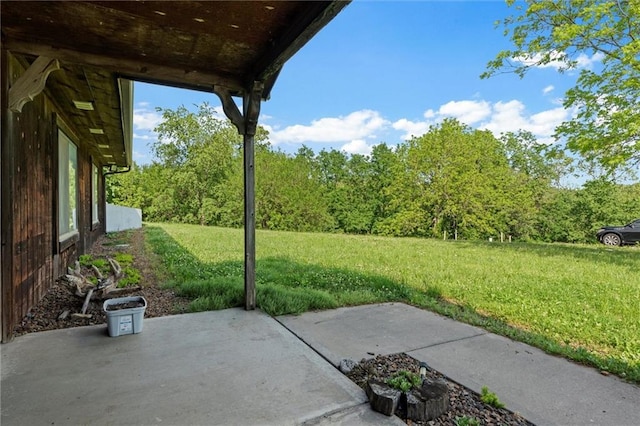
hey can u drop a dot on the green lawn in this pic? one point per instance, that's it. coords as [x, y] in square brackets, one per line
[582, 302]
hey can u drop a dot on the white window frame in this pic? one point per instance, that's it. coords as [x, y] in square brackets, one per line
[67, 183]
[95, 196]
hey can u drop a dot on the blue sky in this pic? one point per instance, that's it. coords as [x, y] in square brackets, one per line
[382, 71]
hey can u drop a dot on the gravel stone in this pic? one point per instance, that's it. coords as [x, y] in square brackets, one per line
[346, 365]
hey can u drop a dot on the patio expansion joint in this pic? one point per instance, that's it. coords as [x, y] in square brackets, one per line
[299, 337]
[446, 342]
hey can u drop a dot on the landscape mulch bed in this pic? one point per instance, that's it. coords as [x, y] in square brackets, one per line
[464, 403]
[160, 301]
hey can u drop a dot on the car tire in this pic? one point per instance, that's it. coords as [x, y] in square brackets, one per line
[611, 239]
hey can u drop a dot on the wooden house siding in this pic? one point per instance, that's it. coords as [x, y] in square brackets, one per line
[32, 256]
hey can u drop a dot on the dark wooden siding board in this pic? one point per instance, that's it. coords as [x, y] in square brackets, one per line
[18, 224]
[36, 217]
[17, 211]
[6, 170]
[42, 216]
[30, 206]
[48, 181]
[19, 208]
[55, 230]
[27, 208]
[26, 203]
[34, 169]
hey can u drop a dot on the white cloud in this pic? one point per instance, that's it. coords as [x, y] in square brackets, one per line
[556, 60]
[145, 119]
[469, 112]
[506, 117]
[429, 113]
[358, 125]
[357, 146]
[499, 117]
[548, 89]
[585, 61]
[354, 132]
[511, 117]
[218, 110]
[142, 137]
[534, 60]
[412, 128]
[545, 122]
[139, 156]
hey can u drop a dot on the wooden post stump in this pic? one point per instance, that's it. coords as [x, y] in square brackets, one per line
[427, 402]
[383, 398]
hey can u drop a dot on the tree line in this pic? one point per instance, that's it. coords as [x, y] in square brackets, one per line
[453, 181]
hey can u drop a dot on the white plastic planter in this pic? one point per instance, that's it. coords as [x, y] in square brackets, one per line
[124, 321]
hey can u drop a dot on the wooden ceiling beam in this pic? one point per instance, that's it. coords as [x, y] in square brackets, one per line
[133, 69]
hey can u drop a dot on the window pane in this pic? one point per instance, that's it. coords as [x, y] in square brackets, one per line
[67, 185]
[73, 187]
[94, 193]
[63, 184]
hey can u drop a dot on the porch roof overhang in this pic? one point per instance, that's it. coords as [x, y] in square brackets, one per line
[200, 45]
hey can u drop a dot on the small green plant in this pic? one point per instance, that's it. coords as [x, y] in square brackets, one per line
[124, 259]
[101, 264]
[404, 380]
[85, 260]
[467, 421]
[131, 277]
[490, 398]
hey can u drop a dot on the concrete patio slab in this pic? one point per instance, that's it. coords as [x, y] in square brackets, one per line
[545, 389]
[363, 331]
[235, 367]
[228, 367]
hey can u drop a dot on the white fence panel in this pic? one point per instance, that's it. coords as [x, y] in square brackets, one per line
[120, 218]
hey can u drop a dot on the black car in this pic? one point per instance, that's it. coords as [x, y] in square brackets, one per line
[618, 235]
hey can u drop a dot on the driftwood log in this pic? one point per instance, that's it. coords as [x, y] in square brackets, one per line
[80, 285]
[105, 288]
